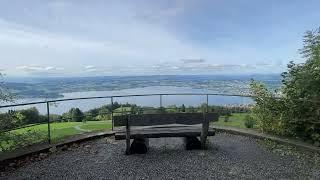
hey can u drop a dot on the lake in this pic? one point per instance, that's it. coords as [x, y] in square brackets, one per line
[154, 101]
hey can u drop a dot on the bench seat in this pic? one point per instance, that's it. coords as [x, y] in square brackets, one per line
[141, 127]
[163, 131]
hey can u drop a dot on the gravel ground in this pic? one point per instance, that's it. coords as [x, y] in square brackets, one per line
[228, 157]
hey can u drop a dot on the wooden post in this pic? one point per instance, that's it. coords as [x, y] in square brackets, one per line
[112, 121]
[128, 136]
[204, 132]
[205, 127]
[161, 109]
[48, 119]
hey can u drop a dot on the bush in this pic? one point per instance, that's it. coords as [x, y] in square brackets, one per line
[249, 121]
[297, 111]
[11, 140]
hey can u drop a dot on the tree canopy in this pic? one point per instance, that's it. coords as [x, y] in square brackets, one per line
[297, 111]
[5, 96]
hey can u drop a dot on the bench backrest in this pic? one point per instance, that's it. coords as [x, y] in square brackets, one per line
[162, 119]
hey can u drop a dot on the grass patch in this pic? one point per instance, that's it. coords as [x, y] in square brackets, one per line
[39, 133]
[102, 125]
[235, 120]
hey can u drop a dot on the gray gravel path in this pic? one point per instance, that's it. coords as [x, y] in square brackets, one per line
[229, 157]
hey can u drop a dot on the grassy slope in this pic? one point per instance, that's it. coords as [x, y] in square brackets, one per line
[236, 120]
[61, 130]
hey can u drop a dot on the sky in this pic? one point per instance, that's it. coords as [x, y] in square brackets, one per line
[144, 37]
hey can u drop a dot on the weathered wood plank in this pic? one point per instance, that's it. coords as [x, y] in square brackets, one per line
[158, 132]
[128, 136]
[161, 119]
[204, 132]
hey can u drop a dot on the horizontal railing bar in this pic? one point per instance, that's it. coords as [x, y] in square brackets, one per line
[24, 104]
[120, 96]
[83, 98]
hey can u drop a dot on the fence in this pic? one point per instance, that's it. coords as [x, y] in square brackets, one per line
[109, 99]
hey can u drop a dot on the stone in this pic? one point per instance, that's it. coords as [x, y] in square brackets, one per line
[53, 149]
[43, 155]
[65, 147]
[94, 152]
[75, 145]
[317, 143]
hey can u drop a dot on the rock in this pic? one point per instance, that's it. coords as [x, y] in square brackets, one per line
[12, 164]
[75, 145]
[94, 152]
[316, 143]
[53, 149]
[87, 146]
[43, 155]
[65, 147]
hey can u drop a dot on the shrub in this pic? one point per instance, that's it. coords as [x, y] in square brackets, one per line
[297, 111]
[12, 140]
[249, 121]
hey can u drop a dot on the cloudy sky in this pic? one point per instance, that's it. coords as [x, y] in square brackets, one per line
[126, 37]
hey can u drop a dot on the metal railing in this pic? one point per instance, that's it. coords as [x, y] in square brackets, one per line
[113, 99]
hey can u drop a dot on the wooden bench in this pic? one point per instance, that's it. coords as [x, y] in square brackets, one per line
[140, 127]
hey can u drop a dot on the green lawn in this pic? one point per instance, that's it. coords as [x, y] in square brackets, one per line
[236, 120]
[102, 125]
[121, 110]
[59, 131]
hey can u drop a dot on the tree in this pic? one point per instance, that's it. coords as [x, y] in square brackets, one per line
[5, 95]
[183, 108]
[12, 119]
[297, 111]
[31, 115]
[74, 114]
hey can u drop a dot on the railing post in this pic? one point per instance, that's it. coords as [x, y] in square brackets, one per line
[161, 103]
[207, 103]
[48, 118]
[112, 123]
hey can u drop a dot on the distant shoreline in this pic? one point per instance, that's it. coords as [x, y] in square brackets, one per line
[56, 87]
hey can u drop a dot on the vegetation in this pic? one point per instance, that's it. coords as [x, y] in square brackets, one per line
[249, 122]
[5, 95]
[39, 133]
[235, 120]
[297, 111]
[25, 127]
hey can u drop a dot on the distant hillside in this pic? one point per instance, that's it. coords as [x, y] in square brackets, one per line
[54, 87]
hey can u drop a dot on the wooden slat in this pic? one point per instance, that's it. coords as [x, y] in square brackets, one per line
[161, 119]
[204, 131]
[158, 132]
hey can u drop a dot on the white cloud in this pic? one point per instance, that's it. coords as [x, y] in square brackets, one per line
[110, 37]
[193, 60]
[90, 67]
[39, 68]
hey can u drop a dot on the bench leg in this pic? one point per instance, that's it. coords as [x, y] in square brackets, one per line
[204, 132]
[128, 137]
[192, 143]
[127, 146]
[139, 146]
